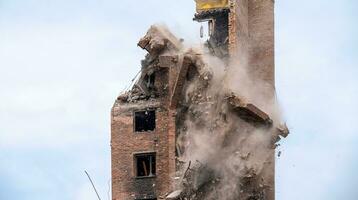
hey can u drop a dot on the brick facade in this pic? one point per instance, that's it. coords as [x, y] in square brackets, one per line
[250, 33]
[125, 142]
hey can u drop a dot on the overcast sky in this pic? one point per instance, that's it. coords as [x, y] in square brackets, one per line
[63, 62]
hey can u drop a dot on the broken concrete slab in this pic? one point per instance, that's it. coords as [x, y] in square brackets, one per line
[158, 39]
[180, 80]
[248, 111]
[283, 130]
[174, 195]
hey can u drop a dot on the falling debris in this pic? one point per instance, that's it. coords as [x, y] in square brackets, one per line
[248, 111]
[174, 195]
[201, 123]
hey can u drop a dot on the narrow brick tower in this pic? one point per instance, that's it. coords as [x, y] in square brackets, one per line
[243, 31]
[144, 120]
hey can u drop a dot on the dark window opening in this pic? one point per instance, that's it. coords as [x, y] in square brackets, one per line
[149, 81]
[192, 73]
[144, 121]
[218, 30]
[145, 165]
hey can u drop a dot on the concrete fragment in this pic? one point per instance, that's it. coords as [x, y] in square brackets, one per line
[174, 195]
[180, 80]
[283, 130]
[248, 111]
[157, 39]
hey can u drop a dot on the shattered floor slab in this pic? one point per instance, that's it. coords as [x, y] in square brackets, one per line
[248, 111]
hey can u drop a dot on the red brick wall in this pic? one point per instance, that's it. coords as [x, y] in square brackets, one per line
[261, 31]
[251, 33]
[125, 143]
[238, 29]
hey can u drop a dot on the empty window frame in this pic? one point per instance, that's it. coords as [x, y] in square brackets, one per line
[144, 121]
[149, 81]
[145, 164]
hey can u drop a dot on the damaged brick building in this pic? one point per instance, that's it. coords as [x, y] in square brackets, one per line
[174, 93]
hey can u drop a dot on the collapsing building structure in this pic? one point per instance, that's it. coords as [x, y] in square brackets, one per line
[201, 123]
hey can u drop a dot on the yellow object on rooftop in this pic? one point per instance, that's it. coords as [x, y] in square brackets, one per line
[211, 4]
